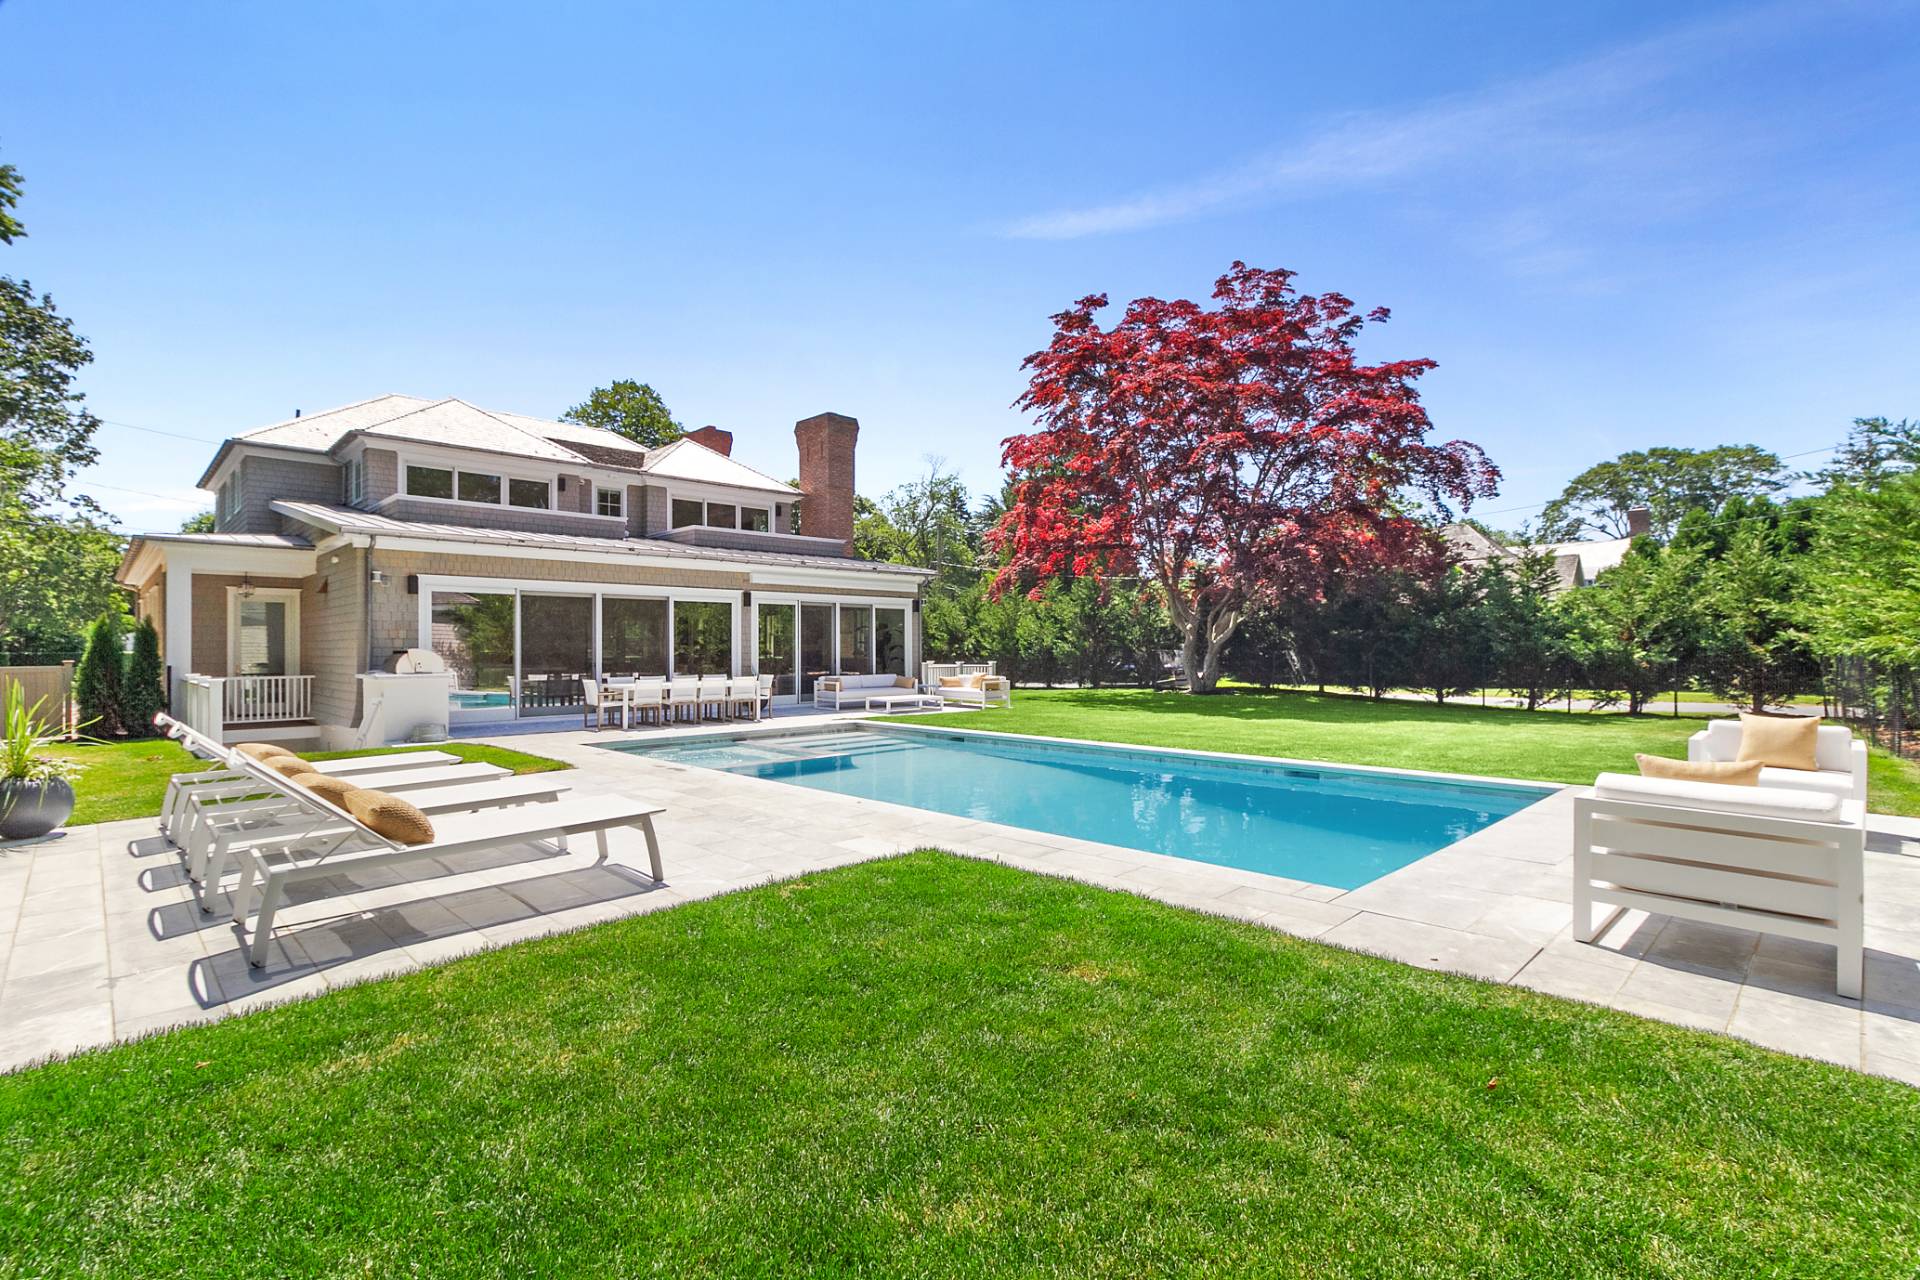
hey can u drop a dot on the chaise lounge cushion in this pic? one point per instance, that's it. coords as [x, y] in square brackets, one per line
[261, 751]
[1720, 797]
[390, 816]
[1780, 742]
[1732, 772]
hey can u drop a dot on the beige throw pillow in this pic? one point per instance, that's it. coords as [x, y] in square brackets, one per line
[389, 815]
[289, 766]
[333, 790]
[953, 682]
[262, 751]
[1732, 772]
[1785, 742]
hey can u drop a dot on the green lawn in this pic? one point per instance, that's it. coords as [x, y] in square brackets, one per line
[128, 779]
[1549, 746]
[928, 1067]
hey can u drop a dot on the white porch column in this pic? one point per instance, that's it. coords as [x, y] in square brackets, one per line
[179, 638]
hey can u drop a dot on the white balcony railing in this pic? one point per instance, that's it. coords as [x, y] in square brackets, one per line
[214, 702]
[253, 699]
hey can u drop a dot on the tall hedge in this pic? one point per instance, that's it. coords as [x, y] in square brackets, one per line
[99, 682]
[146, 692]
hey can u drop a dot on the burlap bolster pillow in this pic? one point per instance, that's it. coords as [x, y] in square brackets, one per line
[1736, 773]
[390, 816]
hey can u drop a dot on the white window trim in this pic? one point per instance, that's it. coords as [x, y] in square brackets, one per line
[737, 505]
[291, 597]
[597, 591]
[618, 491]
[788, 600]
[502, 474]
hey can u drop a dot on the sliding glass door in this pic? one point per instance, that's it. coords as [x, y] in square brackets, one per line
[702, 638]
[890, 641]
[556, 653]
[633, 636]
[816, 646]
[779, 647]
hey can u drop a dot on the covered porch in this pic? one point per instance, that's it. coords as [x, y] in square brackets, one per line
[239, 616]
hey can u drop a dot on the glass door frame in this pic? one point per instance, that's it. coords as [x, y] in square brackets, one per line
[598, 592]
[793, 600]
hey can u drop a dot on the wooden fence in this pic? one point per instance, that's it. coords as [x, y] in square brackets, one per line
[53, 683]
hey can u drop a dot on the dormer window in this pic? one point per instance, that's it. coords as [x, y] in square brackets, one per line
[481, 488]
[537, 494]
[691, 513]
[609, 502]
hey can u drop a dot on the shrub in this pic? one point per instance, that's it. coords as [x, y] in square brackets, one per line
[145, 692]
[99, 684]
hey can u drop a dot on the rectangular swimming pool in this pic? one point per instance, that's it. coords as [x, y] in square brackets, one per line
[1327, 825]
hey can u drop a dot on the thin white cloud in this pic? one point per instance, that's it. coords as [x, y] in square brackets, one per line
[1592, 108]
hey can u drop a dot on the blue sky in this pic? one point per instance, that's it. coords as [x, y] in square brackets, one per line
[1614, 226]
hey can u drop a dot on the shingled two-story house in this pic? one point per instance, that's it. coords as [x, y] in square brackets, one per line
[528, 554]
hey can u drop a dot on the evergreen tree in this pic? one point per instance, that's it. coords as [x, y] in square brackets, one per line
[145, 692]
[99, 681]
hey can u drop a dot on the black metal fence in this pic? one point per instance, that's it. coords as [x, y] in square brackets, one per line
[1880, 702]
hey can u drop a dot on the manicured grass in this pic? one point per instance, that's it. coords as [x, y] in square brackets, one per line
[929, 1067]
[1547, 746]
[128, 779]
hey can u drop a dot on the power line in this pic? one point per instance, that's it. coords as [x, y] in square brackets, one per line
[1507, 511]
[156, 431]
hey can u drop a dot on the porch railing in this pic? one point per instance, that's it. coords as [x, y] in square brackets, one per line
[253, 699]
[215, 702]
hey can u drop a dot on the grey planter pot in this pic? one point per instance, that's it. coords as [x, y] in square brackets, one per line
[29, 809]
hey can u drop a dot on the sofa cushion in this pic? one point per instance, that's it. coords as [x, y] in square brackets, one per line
[289, 766]
[1783, 742]
[1821, 780]
[390, 816]
[953, 682]
[261, 751]
[1719, 797]
[1736, 773]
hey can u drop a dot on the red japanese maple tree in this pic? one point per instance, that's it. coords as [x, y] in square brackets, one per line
[1228, 453]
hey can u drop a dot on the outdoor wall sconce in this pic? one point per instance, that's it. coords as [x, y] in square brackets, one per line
[246, 588]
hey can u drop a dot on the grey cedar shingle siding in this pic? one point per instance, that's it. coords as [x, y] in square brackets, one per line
[258, 480]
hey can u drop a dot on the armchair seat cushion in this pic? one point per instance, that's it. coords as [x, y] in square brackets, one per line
[1819, 781]
[1721, 797]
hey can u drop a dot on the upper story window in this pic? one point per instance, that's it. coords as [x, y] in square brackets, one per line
[609, 502]
[483, 488]
[720, 515]
[353, 482]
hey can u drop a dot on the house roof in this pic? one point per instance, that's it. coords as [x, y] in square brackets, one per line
[455, 423]
[1594, 556]
[351, 520]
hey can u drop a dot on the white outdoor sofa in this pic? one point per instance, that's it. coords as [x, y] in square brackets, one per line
[978, 691]
[1841, 759]
[863, 690]
[1768, 858]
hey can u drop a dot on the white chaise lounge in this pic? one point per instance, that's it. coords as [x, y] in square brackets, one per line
[1840, 757]
[1772, 859]
[339, 844]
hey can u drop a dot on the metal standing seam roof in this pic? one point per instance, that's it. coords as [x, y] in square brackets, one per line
[353, 520]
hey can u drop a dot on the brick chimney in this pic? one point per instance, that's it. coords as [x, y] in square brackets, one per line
[1639, 522]
[826, 443]
[721, 442]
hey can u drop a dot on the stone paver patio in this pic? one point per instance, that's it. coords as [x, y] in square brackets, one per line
[99, 940]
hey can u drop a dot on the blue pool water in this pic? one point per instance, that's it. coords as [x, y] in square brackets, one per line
[469, 701]
[1330, 826]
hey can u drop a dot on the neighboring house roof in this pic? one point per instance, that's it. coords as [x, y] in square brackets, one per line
[1576, 564]
[1594, 557]
[457, 424]
[338, 519]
